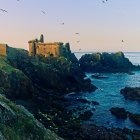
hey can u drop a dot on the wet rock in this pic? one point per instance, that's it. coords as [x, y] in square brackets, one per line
[135, 118]
[86, 115]
[82, 100]
[93, 109]
[131, 73]
[136, 134]
[132, 93]
[93, 132]
[127, 131]
[95, 103]
[119, 112]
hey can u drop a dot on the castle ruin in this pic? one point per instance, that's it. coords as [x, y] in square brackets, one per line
[3, 49]
[55, 49]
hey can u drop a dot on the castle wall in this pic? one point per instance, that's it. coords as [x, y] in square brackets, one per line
[48, 49]
[3, 49]
[55, 49]
[32, 49]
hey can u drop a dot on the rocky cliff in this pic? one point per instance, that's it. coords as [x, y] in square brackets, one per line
[39, 84]
[58, 74]
[106, 62]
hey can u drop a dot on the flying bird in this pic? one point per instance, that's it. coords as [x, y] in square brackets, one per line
[3, 10]
[104, 1]
[43, 12]
[80, 49]
[62, 23]
[77, 41]
[77, 33]
[122, 40]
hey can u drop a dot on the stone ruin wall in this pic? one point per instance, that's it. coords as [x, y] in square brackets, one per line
[3, 49]
[32, 49]
[55, 49]
[48, 49]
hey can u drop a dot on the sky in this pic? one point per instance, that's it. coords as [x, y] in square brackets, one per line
[101, 26]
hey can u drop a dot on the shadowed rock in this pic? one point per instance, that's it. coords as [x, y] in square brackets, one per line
[135, 118]
[86, 115]
[132, 93]
[83, 101]
[119, 112]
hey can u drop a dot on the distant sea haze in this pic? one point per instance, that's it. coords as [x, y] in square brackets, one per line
[134, 57]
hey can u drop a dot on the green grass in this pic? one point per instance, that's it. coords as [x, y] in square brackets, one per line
[4, 66]
[25, 126]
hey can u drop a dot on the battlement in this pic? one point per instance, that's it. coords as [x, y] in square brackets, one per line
[55, 49]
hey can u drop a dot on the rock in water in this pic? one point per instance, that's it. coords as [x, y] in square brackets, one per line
[135, 118]
[119, 112]
[132, 93]
[82, 100]
[95, 103]
[106, 62]
[86, 115]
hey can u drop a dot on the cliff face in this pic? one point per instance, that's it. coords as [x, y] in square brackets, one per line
[58, 74]
[16, 123]
[13, 82]
[105, 62]
[39, 84]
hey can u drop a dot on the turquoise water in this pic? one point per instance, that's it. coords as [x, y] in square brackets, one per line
[108, 95]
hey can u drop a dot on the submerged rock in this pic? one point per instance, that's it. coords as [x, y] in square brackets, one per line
[95, 103]
[135, 118]
[83, 101]
[120, 113]
[132, 93]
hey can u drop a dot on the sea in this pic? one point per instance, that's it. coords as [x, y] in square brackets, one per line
[108, 95]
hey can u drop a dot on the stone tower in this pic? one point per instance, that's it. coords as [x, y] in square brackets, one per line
[41, 39]
[32, 47]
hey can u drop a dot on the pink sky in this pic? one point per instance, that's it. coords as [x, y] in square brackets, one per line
[101, 26]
